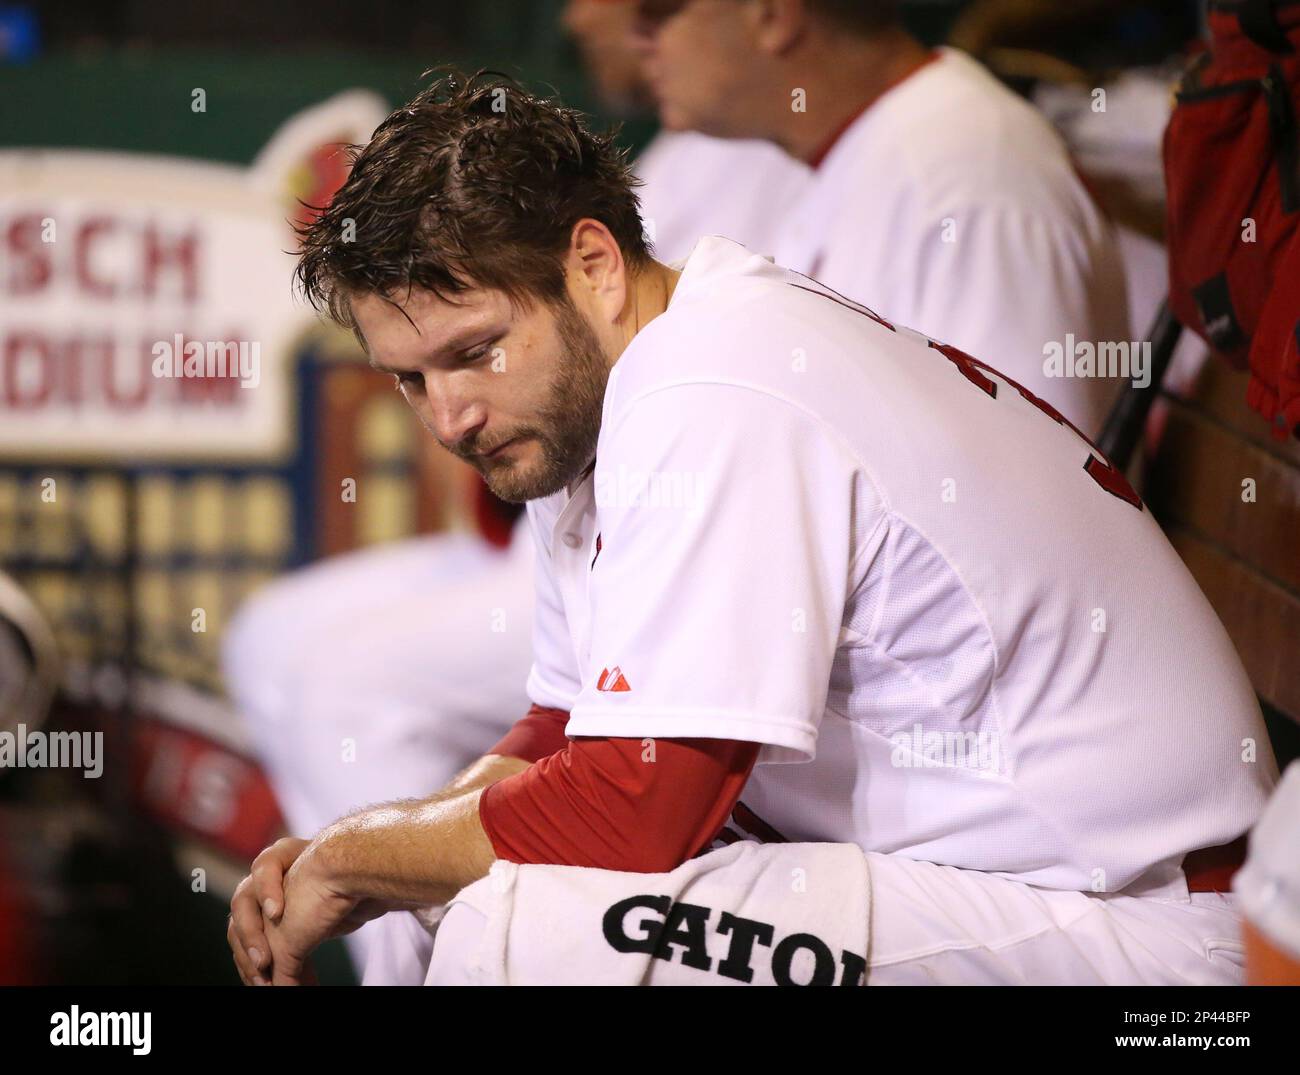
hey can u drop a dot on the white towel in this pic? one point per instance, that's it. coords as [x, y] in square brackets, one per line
[749, 913]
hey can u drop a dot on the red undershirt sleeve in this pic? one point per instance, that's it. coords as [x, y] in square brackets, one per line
[539, 733]
[644, 806]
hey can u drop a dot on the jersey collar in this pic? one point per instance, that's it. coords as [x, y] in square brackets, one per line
[815, 161]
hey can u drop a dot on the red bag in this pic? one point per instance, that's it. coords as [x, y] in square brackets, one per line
[1232, 172]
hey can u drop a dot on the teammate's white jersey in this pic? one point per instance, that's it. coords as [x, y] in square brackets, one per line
[952, 206]
[698, 185]
[922, 593]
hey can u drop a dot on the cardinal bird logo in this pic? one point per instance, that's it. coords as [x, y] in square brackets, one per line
[611, 679]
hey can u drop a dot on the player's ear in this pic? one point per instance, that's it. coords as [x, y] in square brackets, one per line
[597, 268]
[776, 26]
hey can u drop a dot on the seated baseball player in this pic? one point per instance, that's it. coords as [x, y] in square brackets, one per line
[810, 586]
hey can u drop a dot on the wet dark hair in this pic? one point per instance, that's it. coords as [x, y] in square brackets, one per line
[474, 183]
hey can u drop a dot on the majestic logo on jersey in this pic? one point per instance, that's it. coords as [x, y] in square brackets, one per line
[593, 559]
[611, 679]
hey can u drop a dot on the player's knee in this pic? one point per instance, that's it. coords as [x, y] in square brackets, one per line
[253, 645]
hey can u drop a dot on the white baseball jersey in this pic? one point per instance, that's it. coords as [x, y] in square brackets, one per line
[952, 206]
[697, 185]
[932, 603]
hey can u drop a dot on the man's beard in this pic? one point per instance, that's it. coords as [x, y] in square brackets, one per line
[568, 425]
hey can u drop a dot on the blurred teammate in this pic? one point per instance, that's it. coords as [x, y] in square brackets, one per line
[693, 185]
[938, 197]
[373, 673]
[382, 672]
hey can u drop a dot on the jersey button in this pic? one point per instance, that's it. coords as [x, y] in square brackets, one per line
[571, 540]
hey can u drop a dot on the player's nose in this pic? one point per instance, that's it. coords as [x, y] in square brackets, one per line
[454, 418]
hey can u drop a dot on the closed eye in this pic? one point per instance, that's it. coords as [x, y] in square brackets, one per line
[410, 379]
[477, 353]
